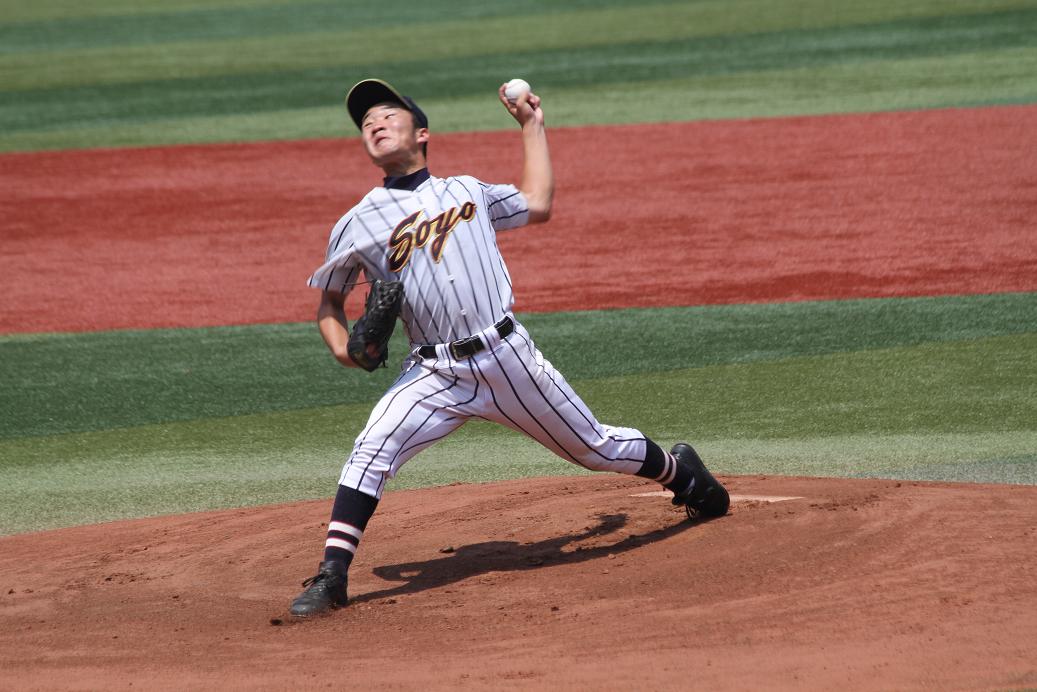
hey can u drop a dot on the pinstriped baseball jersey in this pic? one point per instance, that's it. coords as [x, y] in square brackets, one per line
[439, 239]
[438, 236]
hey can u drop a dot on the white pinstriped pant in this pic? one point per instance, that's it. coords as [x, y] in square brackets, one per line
[509, 382]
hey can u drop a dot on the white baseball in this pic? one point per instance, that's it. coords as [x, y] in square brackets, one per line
[515, 88]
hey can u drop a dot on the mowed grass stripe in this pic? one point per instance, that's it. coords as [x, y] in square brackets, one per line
[63, 383]
[563, 67]
[581, 28]
[997, 77]
[252, 14]
[958, 410]
[368, 47]
[20, 12]
[163, 23]
[985, 78]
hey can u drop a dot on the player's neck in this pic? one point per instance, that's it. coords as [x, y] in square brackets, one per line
[398, 170]
[406, 182]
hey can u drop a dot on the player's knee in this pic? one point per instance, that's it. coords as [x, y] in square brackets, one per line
[366, 474]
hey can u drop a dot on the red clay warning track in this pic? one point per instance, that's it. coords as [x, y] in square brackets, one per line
[558, 583]
[895, 204]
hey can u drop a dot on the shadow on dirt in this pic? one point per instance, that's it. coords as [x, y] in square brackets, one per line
[506, 556]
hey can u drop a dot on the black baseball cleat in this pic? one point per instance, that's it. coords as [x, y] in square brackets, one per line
[325, 591]
[707, 497]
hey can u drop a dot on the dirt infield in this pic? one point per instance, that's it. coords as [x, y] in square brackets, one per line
[848, 206]
[555, 583]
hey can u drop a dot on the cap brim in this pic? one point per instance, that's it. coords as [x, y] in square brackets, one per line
[370, 92]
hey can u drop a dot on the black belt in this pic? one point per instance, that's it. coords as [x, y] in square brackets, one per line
[462, 348]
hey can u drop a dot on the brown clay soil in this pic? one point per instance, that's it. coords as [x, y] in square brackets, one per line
[552, 583]
[893, 204]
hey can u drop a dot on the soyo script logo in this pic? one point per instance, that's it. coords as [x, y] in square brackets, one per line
[414, 232]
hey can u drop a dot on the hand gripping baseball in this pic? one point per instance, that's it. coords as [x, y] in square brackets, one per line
[524, 107]
[368, 344]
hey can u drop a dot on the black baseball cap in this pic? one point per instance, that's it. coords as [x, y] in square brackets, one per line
[368, 92]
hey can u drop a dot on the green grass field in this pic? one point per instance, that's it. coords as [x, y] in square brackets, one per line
[124, 424]
[146, 422]
[114, 74]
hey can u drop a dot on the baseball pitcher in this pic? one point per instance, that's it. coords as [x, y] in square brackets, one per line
[427, 248]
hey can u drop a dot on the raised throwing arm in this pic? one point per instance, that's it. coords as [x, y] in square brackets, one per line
[538, 183]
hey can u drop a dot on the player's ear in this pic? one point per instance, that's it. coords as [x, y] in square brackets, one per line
[421, 135]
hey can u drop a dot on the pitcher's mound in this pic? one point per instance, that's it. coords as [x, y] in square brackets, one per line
[591, 582]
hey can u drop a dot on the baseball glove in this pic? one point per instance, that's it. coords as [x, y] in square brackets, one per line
[369, 341]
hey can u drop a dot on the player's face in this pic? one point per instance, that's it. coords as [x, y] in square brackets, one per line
[389, 135]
